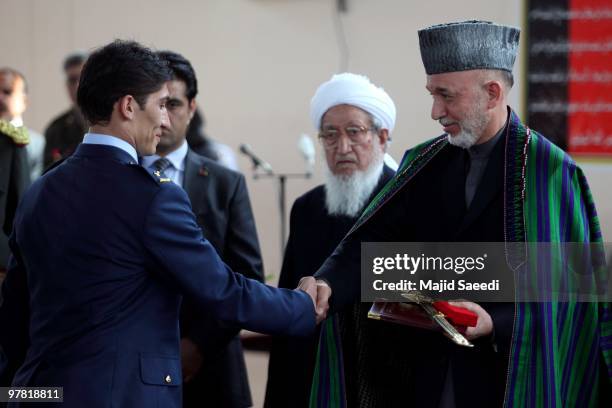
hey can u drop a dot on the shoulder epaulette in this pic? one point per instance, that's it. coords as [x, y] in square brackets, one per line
[19, 135]
[162, 178]
[155, 175]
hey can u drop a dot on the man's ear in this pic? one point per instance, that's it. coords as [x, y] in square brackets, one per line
[495, 93]
[126, 107]
[383, 137]
[192, 108]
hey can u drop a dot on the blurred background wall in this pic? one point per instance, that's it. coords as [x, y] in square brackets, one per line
[258, 64]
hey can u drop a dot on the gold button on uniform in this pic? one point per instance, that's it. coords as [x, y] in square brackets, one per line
[168, 379]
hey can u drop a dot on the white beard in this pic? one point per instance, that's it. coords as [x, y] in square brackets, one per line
[464, 139]
[347, 194]
[472, 127]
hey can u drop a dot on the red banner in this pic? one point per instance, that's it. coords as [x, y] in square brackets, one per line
[589, 104]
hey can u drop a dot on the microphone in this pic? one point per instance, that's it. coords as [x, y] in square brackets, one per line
[306, 147]
[257, 162]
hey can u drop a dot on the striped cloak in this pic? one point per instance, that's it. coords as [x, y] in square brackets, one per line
[556, 348]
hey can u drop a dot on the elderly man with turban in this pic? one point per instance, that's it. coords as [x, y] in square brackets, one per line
[355, 119]
[488, 178]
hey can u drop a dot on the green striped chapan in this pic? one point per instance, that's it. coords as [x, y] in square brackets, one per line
[557, 347]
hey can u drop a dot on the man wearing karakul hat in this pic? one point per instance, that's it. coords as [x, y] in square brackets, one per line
[355, 119]
[489, 178]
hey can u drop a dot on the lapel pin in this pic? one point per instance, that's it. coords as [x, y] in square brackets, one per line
[203, 171]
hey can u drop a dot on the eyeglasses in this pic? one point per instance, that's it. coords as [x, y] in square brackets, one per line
[356, 134]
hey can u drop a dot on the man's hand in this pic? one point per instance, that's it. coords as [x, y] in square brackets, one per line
[484, 324]
[324, 292]
[191, 359]
[319, 292]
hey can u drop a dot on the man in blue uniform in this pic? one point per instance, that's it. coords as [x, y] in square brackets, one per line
[107, 248]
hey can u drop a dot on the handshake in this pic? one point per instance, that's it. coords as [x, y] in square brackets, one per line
[319, 291]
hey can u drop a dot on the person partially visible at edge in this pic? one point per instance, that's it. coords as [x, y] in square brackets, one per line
[103, 250]
[66, 131]
[14, 101]
[355, 119]
[14, 177]
[488, 178]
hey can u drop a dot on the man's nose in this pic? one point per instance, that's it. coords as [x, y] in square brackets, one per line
[165, 120]
[438, 111]
[344, 144]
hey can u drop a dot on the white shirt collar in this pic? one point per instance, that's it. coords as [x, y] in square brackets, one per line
[17, 121]
[110, 140]
[176, 158]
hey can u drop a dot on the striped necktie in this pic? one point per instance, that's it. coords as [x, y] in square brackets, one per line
[161, 165]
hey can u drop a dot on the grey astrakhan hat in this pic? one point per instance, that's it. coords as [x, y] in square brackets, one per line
[468, 45]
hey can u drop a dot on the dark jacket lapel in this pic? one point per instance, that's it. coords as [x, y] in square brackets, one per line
[196, 181]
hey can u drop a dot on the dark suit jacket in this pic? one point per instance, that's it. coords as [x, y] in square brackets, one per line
[108, 249]
[313, 236]
[431, 208]
[221, 204]
[63, 135]
[14, 178]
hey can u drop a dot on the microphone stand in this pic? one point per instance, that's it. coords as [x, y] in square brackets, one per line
[281, 178]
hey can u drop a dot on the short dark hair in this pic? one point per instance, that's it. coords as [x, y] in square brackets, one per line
[182, 70]
[74, 59]
[115, 70]
[14, 73]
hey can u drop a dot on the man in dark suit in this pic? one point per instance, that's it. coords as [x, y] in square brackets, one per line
[66, 131]
[355, 119]
[105, 250]
[14, 178]
[214, 371]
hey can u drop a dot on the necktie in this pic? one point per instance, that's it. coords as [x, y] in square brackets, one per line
[161, 165]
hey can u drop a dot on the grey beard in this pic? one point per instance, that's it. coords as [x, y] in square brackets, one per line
[472, 126]
[347, 195]
[464, 139]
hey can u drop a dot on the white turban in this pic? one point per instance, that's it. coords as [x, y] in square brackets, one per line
[355, 90]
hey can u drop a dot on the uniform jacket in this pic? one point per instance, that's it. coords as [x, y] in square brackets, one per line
[106, 250]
